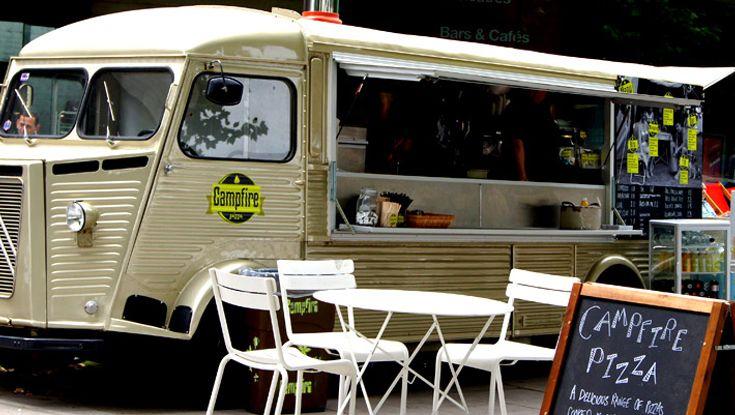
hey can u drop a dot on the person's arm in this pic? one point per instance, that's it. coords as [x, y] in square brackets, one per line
[519, 151]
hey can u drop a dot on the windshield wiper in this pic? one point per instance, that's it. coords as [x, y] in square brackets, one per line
[30, 115]
[23, 103]
[110, 141]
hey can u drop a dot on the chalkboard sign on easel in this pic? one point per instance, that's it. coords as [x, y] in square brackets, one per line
[625, 351]
[638, 204]
[721, 400]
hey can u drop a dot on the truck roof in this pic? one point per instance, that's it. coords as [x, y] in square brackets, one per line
[226, 31]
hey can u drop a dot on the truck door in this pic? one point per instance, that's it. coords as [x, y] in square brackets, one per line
[231, 179]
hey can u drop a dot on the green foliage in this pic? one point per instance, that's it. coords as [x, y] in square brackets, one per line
[208, 125]
[661, 32]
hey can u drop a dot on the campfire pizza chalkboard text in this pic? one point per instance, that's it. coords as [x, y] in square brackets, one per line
[633, 352]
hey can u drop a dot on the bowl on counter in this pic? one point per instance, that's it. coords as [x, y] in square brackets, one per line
[428, 220]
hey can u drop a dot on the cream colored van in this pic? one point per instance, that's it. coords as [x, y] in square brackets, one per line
[139, 149]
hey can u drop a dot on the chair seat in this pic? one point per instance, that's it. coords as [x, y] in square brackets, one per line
[295, 360]
[485, 356]
[347, 343]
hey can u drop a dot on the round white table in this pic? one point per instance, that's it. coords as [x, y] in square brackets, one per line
[434, 304]
[415, 302]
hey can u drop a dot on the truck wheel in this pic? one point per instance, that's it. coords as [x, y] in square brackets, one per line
[205, 351]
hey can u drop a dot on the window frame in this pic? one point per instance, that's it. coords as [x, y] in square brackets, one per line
[88, 92]
[8, 90]
[293, 124]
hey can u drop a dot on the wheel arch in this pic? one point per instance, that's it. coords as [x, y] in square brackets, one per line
[616, 270]
[197, 294]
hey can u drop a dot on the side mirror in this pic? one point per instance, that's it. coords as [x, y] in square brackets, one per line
[225, 91]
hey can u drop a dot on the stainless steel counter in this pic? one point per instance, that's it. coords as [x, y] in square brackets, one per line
[468, 235]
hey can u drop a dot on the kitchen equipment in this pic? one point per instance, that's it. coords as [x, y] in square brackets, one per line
[351, 147]
[580, 217]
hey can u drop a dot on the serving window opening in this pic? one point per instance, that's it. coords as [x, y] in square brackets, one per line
[443, 128]
[466, 155]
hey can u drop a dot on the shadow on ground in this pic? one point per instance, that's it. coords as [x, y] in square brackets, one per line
[156, 377]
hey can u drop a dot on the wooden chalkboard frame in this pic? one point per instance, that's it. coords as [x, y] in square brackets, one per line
[715, 308]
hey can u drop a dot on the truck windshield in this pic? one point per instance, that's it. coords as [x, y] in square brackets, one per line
[42, 103]
[125, 104]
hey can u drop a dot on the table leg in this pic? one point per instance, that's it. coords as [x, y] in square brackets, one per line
[451, 369]
[406, 365]
[445, 394]
[405, 369]
[346, 328]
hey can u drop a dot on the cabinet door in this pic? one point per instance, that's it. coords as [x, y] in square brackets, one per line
[663, 263]
[533, 318]
[704, 264]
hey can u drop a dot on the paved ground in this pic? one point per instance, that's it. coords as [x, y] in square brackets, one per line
[523, 398]
[98, 391]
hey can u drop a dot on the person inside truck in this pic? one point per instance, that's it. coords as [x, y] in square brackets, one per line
[27, 125]
[533, 136]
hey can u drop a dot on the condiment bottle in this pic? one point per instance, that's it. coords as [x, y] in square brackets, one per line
[367, 207]
[686, 261]
[714, 289]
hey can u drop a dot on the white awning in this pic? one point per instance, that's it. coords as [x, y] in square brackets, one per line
[410, 70]
[400, 69]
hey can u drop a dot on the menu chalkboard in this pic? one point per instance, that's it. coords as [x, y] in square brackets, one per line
[633, 352]
[639, 204]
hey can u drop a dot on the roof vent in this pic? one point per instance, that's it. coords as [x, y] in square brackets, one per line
[322, 11]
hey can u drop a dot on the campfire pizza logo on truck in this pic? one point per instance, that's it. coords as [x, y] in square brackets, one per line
[235, 198]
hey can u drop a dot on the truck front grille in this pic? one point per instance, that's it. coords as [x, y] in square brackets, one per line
[11, 199]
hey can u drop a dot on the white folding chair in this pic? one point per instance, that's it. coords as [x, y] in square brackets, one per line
[524, 285]
[337, 275]
[259, 293]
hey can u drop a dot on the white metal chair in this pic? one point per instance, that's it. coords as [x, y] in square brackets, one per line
[524, 285]
[337, 275]
[259, 293]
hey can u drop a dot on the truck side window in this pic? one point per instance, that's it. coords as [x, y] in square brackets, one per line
[125, 103]
[261, 127]
[43, 103]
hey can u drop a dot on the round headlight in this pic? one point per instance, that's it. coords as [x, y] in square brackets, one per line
[75, 217]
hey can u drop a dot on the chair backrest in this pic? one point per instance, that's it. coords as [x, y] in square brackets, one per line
[539, 288]
[308, 276]
[256, 293]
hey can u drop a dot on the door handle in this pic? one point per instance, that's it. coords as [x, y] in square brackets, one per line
[168, 168]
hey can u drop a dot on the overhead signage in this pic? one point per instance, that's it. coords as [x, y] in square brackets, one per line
[641, 86]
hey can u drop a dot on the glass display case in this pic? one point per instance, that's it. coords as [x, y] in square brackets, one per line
[690, 257]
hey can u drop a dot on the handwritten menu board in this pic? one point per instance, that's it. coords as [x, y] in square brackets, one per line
[633, 352]
[639, 204]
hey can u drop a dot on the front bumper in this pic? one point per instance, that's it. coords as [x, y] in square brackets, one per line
[37, 344]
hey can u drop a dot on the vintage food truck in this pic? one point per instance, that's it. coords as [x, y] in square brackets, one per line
[141, 148]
